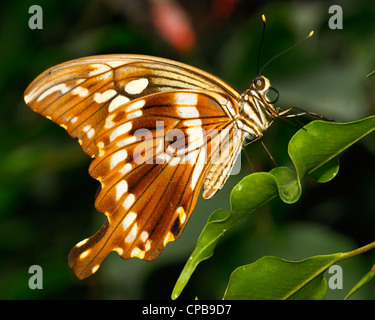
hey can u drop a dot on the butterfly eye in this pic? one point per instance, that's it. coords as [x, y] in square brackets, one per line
[259, 83]
[272, 95]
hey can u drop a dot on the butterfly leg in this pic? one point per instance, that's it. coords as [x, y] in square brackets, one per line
[301, 113]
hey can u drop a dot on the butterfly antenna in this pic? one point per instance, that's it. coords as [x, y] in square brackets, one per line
[287, 49]
[261, 42]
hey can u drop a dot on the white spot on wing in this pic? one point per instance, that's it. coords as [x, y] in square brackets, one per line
[136, 252]
[29, 97]
[193, 123]
[81, 243]
[129, 219]
[135, 114]
[136, 105]
[198, 167]
[126, 168]
[117, 102]
[121, 188]
[144, 236]
[82, 92]
[62, 87]
[136, 86]
[126, 141]
[186, 99]
[95, 268]
[119, 250]
[120, 130]
[128, 201]
[84, 254]
[98, 69]
[187, 112]
[105, 96]
[181, 213]
[148, 245]
[115, 63]
[132, 234]
[117, 157]
[91, 133]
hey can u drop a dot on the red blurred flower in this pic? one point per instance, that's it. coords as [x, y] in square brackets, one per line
[173, 24]
[223, 8]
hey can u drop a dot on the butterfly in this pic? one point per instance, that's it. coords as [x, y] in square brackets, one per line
[157, 130]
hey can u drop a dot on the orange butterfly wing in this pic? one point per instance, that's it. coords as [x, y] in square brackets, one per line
[77, 94]
[122, 108]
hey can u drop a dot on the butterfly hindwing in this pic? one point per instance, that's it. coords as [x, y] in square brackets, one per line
[153, 158]
[227, 147]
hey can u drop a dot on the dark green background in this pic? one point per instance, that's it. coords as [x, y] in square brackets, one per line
[47, 196]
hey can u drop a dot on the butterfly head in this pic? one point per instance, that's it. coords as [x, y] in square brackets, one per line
[262, 86]
[257, 104]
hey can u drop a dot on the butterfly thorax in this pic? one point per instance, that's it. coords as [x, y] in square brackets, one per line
[256, 113]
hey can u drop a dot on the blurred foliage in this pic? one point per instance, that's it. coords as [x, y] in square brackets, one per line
[47, 196]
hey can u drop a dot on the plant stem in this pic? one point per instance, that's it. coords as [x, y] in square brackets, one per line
[358, 251]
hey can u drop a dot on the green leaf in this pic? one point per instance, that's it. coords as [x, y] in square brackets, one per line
[327, 171]
[273, 278]
[279, 279]
[316, 289]
[205, 246]
[313, 150]
[286, 181]
[365, 279]
[320, 141]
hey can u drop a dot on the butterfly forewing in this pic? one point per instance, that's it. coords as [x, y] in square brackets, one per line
[77, 94]
[128, 112]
